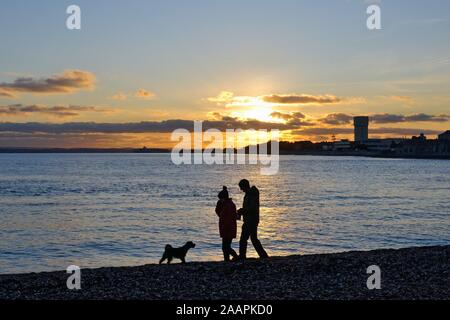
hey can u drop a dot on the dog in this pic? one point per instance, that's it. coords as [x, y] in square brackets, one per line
[179, 253]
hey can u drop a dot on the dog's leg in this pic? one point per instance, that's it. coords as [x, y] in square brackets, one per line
[169, 260]
[183, 260]
[164, 257]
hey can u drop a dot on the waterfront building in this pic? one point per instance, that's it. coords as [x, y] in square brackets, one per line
[361, 125]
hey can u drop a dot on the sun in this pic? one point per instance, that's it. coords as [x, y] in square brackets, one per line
[253, 108]
[262, 114]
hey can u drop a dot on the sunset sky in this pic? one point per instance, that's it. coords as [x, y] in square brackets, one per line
[137, 70]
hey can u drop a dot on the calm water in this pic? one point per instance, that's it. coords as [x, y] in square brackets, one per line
[97, 210]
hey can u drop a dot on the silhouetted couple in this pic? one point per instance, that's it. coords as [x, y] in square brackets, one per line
[228, 216]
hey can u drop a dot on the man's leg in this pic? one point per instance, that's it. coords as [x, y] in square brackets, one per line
[256, 243]
[245, 234]
[232, 252]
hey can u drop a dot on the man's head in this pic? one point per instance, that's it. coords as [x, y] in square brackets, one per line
[244, 185]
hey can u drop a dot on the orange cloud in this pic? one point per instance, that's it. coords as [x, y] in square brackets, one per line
[301, 99]
[223, 97]
[230, 100]
[56, 111]
[119, 96]
[144, 94]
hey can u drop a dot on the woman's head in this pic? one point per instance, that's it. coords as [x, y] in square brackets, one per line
[223, 195]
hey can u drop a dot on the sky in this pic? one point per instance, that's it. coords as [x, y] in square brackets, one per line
[137, 70]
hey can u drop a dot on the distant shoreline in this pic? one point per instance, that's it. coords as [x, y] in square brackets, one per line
[162, 151]
[82, 150]
[411, 273]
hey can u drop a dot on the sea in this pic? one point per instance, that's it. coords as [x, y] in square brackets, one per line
[103, 210]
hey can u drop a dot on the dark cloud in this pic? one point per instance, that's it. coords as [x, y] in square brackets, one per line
[301, 99]
[337, 119]
[57, 111]
[322, 131]
[68, 82]
[383, 118]
[387, 118]
[404, 131]
[397, 118]
[294, 119]
[142, 127]
[339, 130]
[287, 116]
[426, 117]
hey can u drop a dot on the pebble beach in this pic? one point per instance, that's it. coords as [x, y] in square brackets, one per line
[410, 273]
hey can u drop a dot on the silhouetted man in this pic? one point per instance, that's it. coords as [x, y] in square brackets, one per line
[250, 213]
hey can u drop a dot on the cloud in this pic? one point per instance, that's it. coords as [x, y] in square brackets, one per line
[7, 94]
[301, 99]
[56, 111]
[165, 126]
[68, 82]
[338, 130]
[83, 133]
[230, 100]
[337, 119]
[294, 119]
[144, 94]
[383, 118]
[140, 94]
[287, 116]
[145, 133]
[398, 118]
[215, 115]
[294, 123]
[119, 96]
[222, 97]
[323, 131]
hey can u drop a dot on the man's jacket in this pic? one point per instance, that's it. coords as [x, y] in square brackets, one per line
[250, 208]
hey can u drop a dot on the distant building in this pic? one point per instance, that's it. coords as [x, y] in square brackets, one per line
[444, 136]
[361, 129]
[422, 147]
[378, 144]
[342, 145]
[422, 137]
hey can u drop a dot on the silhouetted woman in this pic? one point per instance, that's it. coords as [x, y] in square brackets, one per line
[226, 211]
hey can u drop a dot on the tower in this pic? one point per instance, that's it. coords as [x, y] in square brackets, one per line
[361, 129]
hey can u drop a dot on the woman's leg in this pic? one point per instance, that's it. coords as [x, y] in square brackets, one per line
[226, 249]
